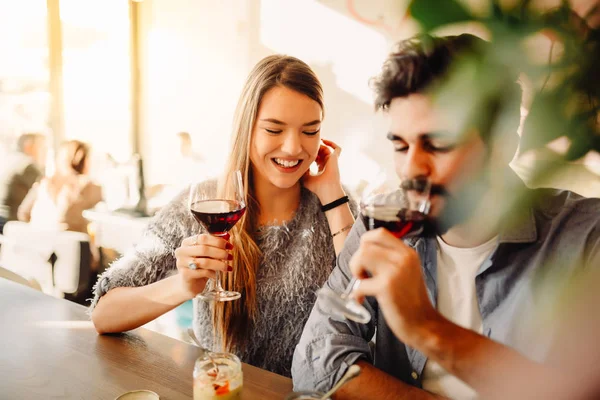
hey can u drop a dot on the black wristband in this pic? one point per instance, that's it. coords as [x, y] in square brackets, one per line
[335, 203]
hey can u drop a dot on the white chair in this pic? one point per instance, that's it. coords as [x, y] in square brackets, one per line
[59, 260]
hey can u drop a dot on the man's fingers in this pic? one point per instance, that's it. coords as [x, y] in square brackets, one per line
[384, 238]
[372, 259]
[367, 287]
[356, 263]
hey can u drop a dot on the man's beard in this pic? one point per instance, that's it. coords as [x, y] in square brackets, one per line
[458, 208]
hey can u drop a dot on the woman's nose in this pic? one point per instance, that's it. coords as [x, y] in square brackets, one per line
[292, 144]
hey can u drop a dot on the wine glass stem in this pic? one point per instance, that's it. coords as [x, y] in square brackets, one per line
[218, 287]
[350, 287]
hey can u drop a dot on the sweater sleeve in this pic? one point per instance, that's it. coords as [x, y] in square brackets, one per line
[152, 259]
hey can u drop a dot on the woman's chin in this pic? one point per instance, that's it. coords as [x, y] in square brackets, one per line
[285, 182]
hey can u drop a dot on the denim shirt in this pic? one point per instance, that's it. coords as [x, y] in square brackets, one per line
[530, 266]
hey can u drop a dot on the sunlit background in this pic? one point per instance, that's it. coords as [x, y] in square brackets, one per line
[126, 76]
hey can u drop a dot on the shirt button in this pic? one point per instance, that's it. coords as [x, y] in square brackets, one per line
[414, 375]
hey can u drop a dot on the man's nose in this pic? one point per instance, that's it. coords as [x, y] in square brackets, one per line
[416, 164]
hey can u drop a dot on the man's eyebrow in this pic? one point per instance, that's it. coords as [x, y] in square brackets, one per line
[424, 136]
[438, 135]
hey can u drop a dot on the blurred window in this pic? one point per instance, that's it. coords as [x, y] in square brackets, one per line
[24, 70]
[96, 74]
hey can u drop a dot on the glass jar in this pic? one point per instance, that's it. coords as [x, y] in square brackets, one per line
[223, 384]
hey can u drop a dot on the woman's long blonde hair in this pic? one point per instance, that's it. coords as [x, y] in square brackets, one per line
[232, 318]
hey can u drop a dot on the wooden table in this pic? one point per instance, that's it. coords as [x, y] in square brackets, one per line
[50, 350]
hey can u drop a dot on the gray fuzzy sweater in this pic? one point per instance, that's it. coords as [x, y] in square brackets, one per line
[298, 257]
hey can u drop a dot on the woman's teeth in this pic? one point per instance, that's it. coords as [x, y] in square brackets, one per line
[285, 163]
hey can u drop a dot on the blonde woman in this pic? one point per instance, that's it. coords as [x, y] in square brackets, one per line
[283, 249]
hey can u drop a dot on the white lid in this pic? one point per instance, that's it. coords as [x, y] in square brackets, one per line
[139, 395]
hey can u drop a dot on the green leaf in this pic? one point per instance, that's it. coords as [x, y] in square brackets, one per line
[497, 12]
[545, 122]
[579, 147]
[431, 14]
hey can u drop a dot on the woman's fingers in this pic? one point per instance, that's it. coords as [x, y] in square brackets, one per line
[327, 149]
[336, 149]
[197, 264]
[207, 240]
[202, 250]
[324, 151]
[192, 275]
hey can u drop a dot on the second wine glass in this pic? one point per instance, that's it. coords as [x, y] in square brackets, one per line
[217, 213]
[398, 206]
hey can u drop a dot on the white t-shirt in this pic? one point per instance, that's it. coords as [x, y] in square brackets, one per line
[457, 301]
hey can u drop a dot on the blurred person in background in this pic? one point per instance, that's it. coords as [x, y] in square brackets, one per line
[189, 164]
[57, 202]
[114, 184]
[19, 170]
[186, 148]
[184, 167]
[282, 249]
[455, 313]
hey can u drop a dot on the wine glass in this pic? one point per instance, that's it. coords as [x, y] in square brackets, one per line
[217, 214]
[398, 206]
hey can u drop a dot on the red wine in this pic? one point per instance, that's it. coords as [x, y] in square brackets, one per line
[399, 221]
[217, 216]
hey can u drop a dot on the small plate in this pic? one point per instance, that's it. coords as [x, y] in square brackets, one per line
[139, 395]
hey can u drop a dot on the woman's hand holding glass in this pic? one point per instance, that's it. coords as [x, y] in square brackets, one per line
[208, 254]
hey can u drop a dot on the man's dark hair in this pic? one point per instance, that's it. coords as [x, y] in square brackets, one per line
[416, 63]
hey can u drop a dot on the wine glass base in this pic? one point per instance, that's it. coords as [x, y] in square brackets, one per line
[223, 295]
[344, 306]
